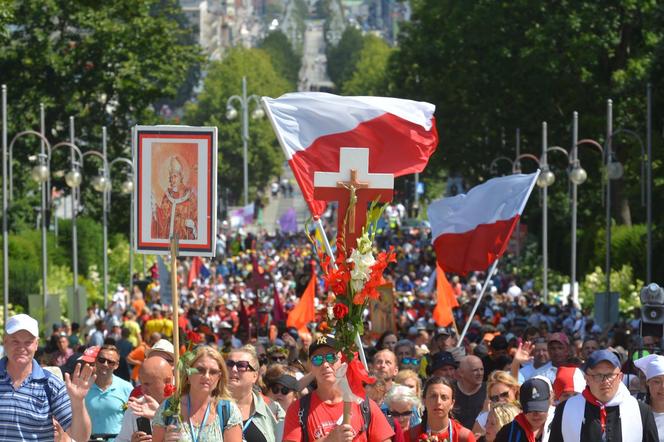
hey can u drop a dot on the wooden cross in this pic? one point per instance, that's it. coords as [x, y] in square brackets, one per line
[353, 186]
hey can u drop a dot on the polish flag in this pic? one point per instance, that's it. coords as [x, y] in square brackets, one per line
[312, 127]
[471, 231]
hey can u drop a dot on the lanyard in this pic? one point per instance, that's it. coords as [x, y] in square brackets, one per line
[194, 437]
[449, 430]
[245, 426]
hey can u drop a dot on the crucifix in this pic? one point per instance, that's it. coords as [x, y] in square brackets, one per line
[354, 187]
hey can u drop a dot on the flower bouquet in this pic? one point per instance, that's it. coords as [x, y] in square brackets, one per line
[174, 392]
[426, 437]
[352, 278]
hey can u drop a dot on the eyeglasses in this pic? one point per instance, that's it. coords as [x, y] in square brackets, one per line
[104, 361]
[600, 377]
[400, 414]
[410, 361]
[278, 358]
[276, 389]
[212, 372]
[498, 397]
[240, 365]
[318, 360]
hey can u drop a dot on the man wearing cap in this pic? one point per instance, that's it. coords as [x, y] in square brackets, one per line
[530, 425]
[322, 420]
[497, 354]
[33, 400]
[605, 411]
[443, 364]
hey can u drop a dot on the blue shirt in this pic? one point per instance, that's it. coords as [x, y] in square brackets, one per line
[26, 412]
[106, 408]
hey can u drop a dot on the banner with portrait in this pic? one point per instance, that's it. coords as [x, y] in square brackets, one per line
[381, 311]
[175, 189]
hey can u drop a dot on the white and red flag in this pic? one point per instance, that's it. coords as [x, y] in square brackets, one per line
[312, 127]
[471, 231]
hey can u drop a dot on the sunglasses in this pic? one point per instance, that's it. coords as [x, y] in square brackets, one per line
[318, 360]
[212, 372]
[410, 361]
[276, 389]
[278, 358]
[240, 365]
[398, 414]
[109, 362]
[497, 397]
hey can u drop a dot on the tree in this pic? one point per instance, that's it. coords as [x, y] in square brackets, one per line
[284, 59]
[223, 80]
[490, 67]
[342, 58]
[370, 75]
[105, 64]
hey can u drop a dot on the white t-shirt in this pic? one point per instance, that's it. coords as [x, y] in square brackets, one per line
[659, 420]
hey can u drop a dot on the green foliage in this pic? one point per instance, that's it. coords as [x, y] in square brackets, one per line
[628, 247]
[284, 59]
[622, 281]
[370, 75]
[89, 238]
[342, 59]
[223, 80]
[104, 63]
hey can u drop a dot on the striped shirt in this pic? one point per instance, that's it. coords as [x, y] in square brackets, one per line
[26, 412]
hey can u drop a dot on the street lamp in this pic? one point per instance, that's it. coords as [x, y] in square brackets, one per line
[127, 187]
[231, 113]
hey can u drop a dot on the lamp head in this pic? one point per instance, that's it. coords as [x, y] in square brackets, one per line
[100, 183]
[40, 173]
[615, 170]
[73, 178]
[231, 113]
[127, 186]
[546, 178]
[578, 175]
[258, 113]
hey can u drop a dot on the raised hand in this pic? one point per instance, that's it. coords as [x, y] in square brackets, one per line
[144, 408]
[80, 382]
[524, 353]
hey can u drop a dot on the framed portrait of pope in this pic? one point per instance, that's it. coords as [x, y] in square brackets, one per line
[175, 185]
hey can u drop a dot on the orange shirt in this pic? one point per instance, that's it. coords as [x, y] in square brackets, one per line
[139, 306]
[323, 418]
[137, 354]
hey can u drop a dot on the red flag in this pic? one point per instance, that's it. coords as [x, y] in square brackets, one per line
[313, 127]
[194, 269]
[278, 313]
[304, 311]
[243, 316]
[446, 300]
[471, 231]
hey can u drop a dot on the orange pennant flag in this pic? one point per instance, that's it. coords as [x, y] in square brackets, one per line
[446, 300]
[304, 312]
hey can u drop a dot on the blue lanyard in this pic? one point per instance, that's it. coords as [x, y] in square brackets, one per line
[194, 437]
[246, 424]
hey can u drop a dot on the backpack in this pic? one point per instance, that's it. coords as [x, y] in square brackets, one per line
[305, 405]
[223, 411]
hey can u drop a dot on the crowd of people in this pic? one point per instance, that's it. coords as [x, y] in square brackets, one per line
[525, 370]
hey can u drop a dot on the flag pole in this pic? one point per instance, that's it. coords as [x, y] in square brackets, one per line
[328, 250]
[176, 306]
[477, 302]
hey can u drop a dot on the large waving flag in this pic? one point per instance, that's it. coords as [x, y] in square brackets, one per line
[304, 312]
[471, 231]
[312, 127]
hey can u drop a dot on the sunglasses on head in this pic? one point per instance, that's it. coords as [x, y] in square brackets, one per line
[497, 397]
[318, 360]
[276, 389]
[240, 365]
[410, 361]
[104, 361]
[400, 414]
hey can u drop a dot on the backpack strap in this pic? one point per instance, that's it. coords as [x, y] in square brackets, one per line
[49, 392]
[224, 412]
[365, 408]
[302, 414]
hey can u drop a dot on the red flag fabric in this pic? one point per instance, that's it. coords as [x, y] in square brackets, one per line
[278, 313]
[472, 230]
[304, 311]
[243, 316]
[446, 300]
[312, 127]
[194, 270]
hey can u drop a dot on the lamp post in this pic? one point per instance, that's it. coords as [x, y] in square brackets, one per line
[127, 187]
[5, 234]
[231, 113]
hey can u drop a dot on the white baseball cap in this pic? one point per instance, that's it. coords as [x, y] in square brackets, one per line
[161, 345]
[22, 322]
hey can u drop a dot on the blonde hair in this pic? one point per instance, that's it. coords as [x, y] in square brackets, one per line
[505, 413]
[221, 389]
[502, 377]
[404, 375]
[250, 350]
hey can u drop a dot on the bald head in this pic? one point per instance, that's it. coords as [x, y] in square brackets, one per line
[154, 374]
[471, 371]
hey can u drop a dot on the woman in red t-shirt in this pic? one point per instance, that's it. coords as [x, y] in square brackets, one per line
[438, 396]
[325, 416]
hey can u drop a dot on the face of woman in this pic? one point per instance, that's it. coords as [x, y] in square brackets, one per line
[656, 387]
[208, 375]
[390, 342]
[276, 393]
[402, 412]
[412, 384]
[491, 427]
[502, 394]
[241, 375]
[438, 400]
